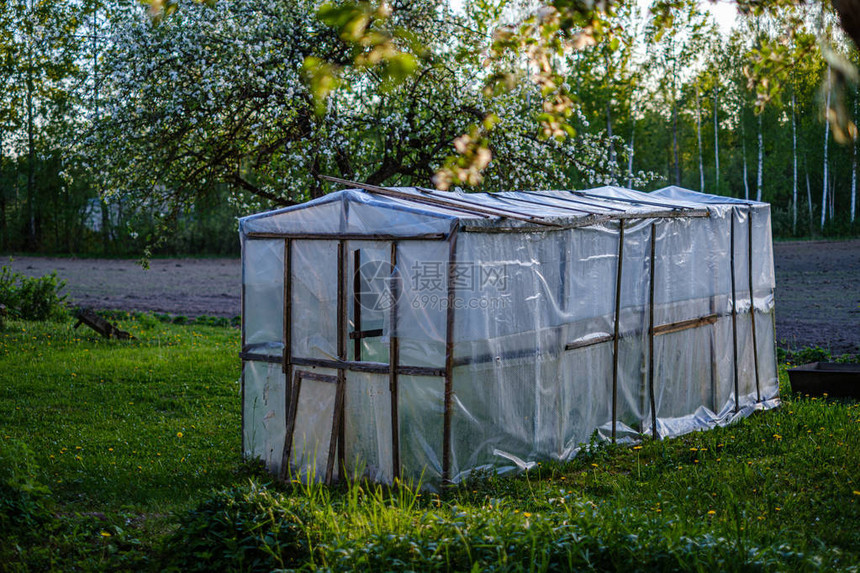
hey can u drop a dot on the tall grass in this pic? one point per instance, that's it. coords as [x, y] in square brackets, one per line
[126, 456]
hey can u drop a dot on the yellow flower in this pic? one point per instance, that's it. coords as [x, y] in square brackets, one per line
[527, 514]
[856, 492]
[712, 512]
[178, 434]
[105, 534]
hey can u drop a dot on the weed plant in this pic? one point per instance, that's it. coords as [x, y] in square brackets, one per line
[32, 298]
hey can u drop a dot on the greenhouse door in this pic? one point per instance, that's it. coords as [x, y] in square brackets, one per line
[337, 347]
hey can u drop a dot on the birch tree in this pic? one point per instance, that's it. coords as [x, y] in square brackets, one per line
[824, 185]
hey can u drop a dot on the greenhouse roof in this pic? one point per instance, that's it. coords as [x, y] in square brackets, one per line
[673, 192]
[411, 211]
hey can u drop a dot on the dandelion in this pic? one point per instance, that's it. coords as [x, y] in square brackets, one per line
[637, 447]
[856, 492]
[527, 514]
[105, 534]
[178, 434]
[712, 512]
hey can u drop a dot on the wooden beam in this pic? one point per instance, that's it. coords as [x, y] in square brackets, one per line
[617, 321]
[346, 236]
[685, 324]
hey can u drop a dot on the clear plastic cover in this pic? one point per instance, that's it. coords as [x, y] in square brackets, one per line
[533, 326]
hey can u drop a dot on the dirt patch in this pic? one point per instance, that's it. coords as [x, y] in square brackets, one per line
[189, 287]
[817, 293]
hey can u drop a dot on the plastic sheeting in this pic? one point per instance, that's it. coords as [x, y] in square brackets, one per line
[533, 332]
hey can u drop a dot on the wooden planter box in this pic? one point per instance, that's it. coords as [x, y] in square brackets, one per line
[818, 378]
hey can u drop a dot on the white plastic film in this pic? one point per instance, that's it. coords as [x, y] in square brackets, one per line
[263, 272]
[314, 299]
[368, 451]
[421, 408]
[312, 435]
[265, 413]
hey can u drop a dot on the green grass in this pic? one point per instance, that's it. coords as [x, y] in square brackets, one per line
[139, 425]
[132, 437]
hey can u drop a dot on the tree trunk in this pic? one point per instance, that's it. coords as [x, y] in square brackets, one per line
[106, 222]
[716, 146]
[758, 178]
[631, 153]
[849, 18]
[675, 140]
[832, 196]
[793, 164]
[31, 162]
[826, 139]
[612, 157]
[699, 137]
[744, 156]
[854, 165]
[809, 200]
[4, 239]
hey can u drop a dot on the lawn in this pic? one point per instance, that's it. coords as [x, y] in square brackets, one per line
[126, 455]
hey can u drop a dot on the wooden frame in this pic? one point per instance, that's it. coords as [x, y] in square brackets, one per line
[292, 414]
[752, 301]
[617, 323]
[394, 364]
[652, 280]
[734, 313]
[449, 360]
[342, 364]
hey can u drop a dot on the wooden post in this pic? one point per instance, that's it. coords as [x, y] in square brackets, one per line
[651, 334]
[242, 347]
[449, 359]
[342, 311]
[291, 424]
[356, 304]
[752, 302]
[287, 365]
[335, 447]
[394, 364]
[617, 325]
[734, 312]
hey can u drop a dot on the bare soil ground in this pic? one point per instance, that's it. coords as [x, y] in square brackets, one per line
[190, 287]
[817, 293]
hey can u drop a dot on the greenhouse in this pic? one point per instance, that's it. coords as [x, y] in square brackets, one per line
[414, 334]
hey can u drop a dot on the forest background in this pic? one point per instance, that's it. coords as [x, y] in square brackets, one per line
[120, 134]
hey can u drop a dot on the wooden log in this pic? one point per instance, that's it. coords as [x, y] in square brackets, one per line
[88, 317]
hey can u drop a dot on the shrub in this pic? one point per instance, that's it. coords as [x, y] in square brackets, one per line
[247, 528]
[22, 499]
[32, 298]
